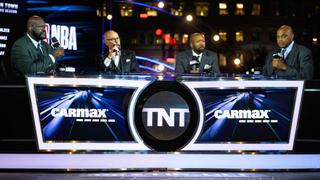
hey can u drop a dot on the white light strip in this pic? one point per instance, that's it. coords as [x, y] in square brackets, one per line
[145, 161]
[243, 85]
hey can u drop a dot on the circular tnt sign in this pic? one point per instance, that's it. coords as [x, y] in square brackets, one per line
[166, 116]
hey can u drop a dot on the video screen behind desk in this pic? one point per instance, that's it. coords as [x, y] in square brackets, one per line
[247, 115]
[97, 114]
[73, 23]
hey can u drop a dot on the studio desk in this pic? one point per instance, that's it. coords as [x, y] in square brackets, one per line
[180, 118]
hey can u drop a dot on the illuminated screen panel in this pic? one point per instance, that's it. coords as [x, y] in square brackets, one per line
[73, 23]
[247, 115]
[10, 11]
[84, 113]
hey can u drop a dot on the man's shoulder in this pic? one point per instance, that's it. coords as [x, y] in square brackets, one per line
[21, 41]
[127, 51]
[302, 47]
[183, 53]
[209, 52]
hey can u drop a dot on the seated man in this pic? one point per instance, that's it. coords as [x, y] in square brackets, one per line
[197, 59]
[30, 54]
[291, 59]
[116, 59]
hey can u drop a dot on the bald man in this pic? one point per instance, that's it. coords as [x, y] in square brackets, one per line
[197, 59]
[30, 54]
[116, 59]
[290, 60]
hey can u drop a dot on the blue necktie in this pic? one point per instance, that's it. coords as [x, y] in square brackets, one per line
[283, 51]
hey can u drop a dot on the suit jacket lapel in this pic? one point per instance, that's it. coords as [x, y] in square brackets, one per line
[290, 57]
[189, 57]
[203, 60]
[122, 62]
[33, 49]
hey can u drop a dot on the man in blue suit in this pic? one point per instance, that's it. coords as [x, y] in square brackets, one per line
[290, 60]
[197, 59]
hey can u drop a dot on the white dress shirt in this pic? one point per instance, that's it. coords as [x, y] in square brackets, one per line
[116, 60]
[198, 55]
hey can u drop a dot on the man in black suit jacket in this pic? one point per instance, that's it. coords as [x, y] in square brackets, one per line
[291, 60]
[116, 59]
[30, 54]
[197, 59]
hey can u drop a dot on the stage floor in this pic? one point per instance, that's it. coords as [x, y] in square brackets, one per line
[163, 176]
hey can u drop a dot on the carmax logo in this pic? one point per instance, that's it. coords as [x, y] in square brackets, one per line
[245, 116]
[82, 115]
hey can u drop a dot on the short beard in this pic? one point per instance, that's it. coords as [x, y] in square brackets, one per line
[37, 36]
[198, 51]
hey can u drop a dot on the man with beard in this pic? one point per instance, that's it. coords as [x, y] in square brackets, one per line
[197, 59]
[116, 60]
[290, 60]
[30, 54]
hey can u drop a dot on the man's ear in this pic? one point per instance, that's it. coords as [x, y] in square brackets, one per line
[29, 28]
[292, 37]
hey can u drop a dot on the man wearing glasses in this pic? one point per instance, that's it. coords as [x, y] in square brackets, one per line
[116, 59]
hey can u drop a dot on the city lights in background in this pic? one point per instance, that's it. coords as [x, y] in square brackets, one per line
[143, 16]
[315, 41]
[237, 61]
[161, 4]
[189, 17]
[109, 17]
[216, 37]
[158, 32]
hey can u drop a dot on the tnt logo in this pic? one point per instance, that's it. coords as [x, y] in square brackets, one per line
[163, 116]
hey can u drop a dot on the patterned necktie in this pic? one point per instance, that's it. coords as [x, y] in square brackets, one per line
[283, 51]
[195, 58]
[39, 48]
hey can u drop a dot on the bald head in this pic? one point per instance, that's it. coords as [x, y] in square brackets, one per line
[197, 42]
[284, 36]
[111, 38]
[36, 27]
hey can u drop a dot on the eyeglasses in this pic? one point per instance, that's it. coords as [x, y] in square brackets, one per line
[113, 39]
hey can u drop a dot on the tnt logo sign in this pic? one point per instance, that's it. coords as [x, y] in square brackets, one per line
[163, 116]
[166, 116]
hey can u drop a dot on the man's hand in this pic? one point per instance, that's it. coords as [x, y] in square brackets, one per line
[113, 51]
[279, 64]
[58, 53]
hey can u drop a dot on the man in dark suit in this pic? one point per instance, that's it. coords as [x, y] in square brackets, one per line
[197, 59]
[30, 54]
[291, 60]
[116, 59]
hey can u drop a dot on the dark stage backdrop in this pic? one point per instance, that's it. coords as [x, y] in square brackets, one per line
[73, 23]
